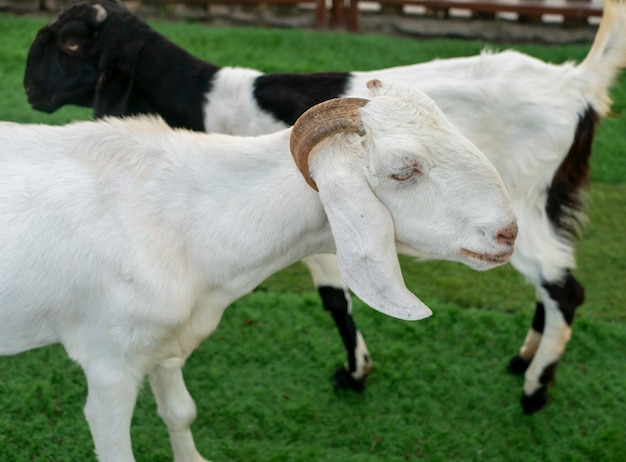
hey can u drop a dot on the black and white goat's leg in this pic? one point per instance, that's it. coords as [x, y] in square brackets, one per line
[519, 364]
[547, 338]
[544, 252]
[336, 300]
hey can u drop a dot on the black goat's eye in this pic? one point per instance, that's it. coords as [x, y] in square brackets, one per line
[71, 46]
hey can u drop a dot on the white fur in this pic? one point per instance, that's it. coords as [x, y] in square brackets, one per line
[125, 240]
[231, 99]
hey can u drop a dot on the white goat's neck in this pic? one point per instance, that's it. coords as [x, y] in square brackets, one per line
[242, 207]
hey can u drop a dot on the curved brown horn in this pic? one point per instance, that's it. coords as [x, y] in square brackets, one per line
[337, 115]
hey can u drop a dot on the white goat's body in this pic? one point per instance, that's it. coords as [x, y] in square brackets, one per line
[125, 240]
[101, 255]
[148, 275]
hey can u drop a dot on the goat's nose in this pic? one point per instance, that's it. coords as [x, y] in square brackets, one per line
[507, 234]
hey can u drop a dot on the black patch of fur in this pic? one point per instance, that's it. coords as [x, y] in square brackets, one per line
[547, 376]
[172, 83]
[539, 399]
[343, 380]
[569, 294]
[539, 319]
[335, 303]
[535, 402]
[288, 96]
[564, 205]
[517, 365]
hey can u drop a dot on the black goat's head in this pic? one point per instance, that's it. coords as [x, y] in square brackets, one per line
[85, 57]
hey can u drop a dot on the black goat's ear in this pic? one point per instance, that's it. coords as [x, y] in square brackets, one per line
[112, 93]
[118, 58]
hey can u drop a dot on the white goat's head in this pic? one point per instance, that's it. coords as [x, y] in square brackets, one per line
[398, 177]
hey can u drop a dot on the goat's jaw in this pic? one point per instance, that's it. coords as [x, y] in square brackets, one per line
[483, 261]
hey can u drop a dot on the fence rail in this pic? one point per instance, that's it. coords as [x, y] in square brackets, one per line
[346, 13]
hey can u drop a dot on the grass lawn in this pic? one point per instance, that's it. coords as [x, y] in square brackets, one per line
[438, 390]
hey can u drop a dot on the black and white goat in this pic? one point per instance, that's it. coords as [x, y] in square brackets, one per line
[535, 121]
[125, 240]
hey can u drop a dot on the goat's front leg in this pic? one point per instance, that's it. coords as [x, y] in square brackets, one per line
[177, 409]
[110, 402]
[336, 300]
[547, 339]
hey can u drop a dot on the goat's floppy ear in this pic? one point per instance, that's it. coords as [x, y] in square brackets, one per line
[116, 66]
[361, 225]
[112, 93]
[365, 242]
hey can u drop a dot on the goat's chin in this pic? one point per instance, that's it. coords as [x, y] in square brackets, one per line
[47, 108]
[44, 104]
[484, 261]
[82, 97]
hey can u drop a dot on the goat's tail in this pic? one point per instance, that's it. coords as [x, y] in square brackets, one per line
[607, 55]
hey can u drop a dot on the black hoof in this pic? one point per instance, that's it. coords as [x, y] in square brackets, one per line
[517, 366]
[344, 381]
[535, 402]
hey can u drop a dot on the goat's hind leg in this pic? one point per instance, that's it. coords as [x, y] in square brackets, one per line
[547, 339]
[177, 409]
[519, 364]
[336, 300]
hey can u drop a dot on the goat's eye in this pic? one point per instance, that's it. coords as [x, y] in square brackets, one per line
[405, 174]
[71, 46]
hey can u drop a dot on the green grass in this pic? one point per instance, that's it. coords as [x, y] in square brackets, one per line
[438, 390]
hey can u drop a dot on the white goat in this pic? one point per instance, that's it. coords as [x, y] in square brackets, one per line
[535, 121]
[125, 240]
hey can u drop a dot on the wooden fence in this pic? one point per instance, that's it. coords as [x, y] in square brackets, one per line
[346, 13]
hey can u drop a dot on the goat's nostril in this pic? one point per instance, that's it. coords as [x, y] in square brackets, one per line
[507, 235]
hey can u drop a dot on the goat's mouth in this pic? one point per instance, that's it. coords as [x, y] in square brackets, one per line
[42, 103]
[46, 107]
[50, 103]
[493, 258]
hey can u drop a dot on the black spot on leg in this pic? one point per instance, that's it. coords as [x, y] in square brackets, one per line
[547, 376]
[539, 320]
[336, 304]
[535, 402]
[343, 380]
[517, 365]
[568, 294]
[540, 398]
